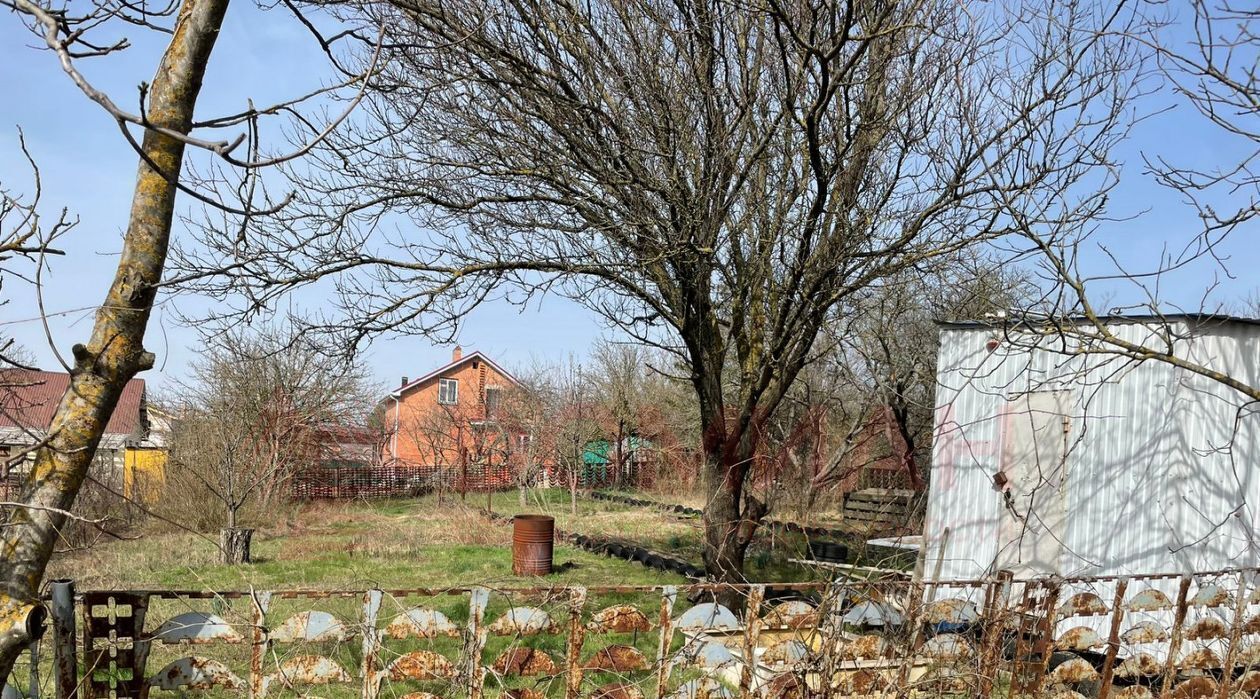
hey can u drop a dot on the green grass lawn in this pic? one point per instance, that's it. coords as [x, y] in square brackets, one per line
[353, 545]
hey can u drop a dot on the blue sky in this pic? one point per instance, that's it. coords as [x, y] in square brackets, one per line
[87, 167]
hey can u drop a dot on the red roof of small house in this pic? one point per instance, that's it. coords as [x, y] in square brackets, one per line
[28, 400]
[476, 354]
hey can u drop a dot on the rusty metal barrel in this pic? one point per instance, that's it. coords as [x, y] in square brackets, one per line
[533, 538]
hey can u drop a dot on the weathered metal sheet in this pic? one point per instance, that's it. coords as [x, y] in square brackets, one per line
[1139, 665]
[707, 615]
[873, 614]
[863, 682]
[1145, 632]
[196, 627]
[1211, 595]
[1145, 472]
[951, 611]
[1200, 659]
[1207, 628]
[311, 626]
[617, 658]
[525, 662]
[523, 621]
[1079, 638]
[792, 614]
[420, 665]
[868, 647]
[948, 647]
[706, 655]
[305, 671]
[1149, 600]
[785, 653]
[1074, 671]
[421, 622]
[621, 618]
[703, 688]
[196, 672]
[1083, 604]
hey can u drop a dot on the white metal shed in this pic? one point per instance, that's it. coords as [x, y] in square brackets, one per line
[1107, 466]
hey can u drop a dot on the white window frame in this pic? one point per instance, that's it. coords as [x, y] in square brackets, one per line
[446, 386]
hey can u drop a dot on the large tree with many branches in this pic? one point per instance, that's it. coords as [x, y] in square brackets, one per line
[713, 178]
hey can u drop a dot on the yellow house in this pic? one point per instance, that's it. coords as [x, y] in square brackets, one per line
[144, 461]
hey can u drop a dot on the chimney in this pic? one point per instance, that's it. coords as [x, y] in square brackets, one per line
[458, 354]
[404, 382]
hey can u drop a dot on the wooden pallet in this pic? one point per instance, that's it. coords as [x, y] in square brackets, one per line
[878, 508]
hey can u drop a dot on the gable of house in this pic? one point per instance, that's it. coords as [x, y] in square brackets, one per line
[434, 414]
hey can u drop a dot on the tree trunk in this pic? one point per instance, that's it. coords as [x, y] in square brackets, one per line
[234, 545]
[731, 516]
[115, 351]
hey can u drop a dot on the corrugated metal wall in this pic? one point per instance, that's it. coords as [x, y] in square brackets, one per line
[1162, 466]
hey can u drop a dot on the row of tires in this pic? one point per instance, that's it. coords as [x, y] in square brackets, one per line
[638, 554]
[618, 549]
[792, 527]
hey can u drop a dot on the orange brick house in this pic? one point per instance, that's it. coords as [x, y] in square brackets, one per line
[448, 419]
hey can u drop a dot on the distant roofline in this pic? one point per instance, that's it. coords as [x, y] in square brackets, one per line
[475, 354]
[1196, 318]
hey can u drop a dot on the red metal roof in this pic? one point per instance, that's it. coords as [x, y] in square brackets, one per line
[28, 400]
[476, 354]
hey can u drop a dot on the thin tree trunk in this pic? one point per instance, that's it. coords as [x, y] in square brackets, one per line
[115, 352]
[234, 545]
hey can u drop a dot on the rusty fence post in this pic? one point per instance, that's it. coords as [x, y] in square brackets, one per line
[65, 653]
[475, 641]
[32, 677]
[752, 630]
[668, 596]
[577, 634]
[1044, 646]
[1113, 638]
[1235, 636]
[1174, 644]
[371, 643]
[260, 602]
[996, 604]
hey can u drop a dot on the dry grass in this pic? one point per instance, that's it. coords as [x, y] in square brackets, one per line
[412, 543]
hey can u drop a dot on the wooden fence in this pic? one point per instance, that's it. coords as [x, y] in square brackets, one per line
[350, 482]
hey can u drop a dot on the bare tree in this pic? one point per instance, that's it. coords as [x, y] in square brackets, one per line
[524, 421]
[574, 423]
[160, 132]
[1213, 69]
[715, 179]
[256, 411]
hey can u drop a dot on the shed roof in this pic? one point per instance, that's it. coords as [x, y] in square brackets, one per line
[1193, 318]
[29, 399]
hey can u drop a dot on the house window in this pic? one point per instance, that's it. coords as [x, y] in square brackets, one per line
[492, 401]
[448, 391]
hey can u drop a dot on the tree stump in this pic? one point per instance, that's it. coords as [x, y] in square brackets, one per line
[234, 545]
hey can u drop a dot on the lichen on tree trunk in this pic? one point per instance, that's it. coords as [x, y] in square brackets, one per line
[115, 352]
